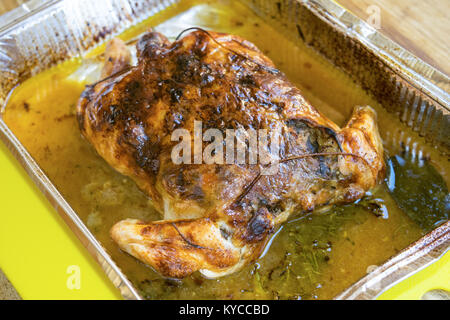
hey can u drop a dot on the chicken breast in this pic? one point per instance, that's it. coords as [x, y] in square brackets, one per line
[217, 217]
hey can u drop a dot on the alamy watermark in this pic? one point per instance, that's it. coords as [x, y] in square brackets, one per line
[374, 18]
[229, 146]
[74, 279]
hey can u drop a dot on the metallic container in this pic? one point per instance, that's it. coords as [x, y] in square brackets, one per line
[40, 34]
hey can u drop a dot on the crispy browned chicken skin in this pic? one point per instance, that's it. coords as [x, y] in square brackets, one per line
[217, 218]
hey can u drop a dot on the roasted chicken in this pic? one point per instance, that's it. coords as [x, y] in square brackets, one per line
[216, 218]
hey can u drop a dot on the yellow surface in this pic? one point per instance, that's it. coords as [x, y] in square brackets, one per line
[435, 276]
[37, 247]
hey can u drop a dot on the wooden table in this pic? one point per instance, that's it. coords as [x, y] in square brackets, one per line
[421, 27]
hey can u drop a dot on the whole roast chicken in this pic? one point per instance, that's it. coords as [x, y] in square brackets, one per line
[217, 217]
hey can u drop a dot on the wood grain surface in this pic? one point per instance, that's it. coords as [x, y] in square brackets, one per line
[7, 291]
[421, 27]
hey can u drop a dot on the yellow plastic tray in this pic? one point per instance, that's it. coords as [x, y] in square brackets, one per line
[37, 248]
